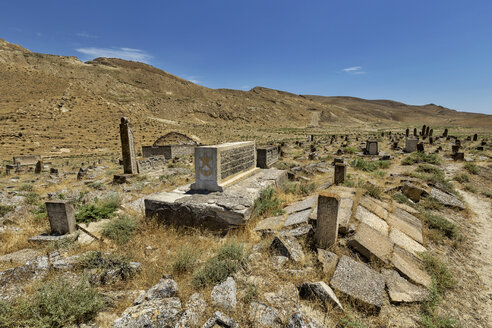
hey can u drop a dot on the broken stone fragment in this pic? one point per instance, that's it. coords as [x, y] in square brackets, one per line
[300, 320]
[409, 266]
[219, 319]
[263, 316]
[400, 290]
[224, 294]
[155, 313]
[413, 191]
[446, 199]
[166, 287]
[287, 246]
[328, 260]
[359, 282]
[319, 290]
[371, 243]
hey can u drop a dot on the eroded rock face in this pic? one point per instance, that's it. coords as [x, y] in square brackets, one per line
[195, 308]
[287, 246]
[359, 282]
[164, 288]
[263, 316]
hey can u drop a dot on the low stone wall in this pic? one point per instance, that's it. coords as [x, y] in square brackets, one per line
[151, 164]
[171, 151]
[214, 165]
[266, 156]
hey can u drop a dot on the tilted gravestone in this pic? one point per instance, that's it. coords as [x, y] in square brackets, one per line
[61, 216]
[220, 165]
[327, 222]
[475, 137]
[128, 147]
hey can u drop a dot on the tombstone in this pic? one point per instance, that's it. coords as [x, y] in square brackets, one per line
[457, 142]
[458, 156]
[420, 147]
[427, 131]
[39, 167]
[267, 156]
[423, 130]
[61, 216]
[337, 160]
[99, 161]
[475, 137]
[53, 171]
[371, 147]
[431, 132]
[82, 173]
[455, 148]
[407, 131]
[414, 132]
[340, 173]
[395, 145]
[312, 148]
[483, 143]
[410, 145]
[445, 133]
[327, 222]
[128, 147]
[468, 138]
[480, 148]
[431, 140]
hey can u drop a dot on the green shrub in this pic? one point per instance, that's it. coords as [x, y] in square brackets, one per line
[120, 229]
[472, 168]
[267, 204]
[462, 177]
[55, 304]
[439, 271]
[40, 212]
[471, 188]
[421, 157]
[107, 262]
[350, 150]
[446, 227]
[487, 193]
[369, 166]
[184, 261]
[26, 187]
[302, 188]
[4, 209]
[402, 199]
[97, 185]
[31, 198]
[98, 210]
[228, 260]
[250, 294]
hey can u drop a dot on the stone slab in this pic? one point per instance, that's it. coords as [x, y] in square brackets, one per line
[303, 205]
[297, 218]
[287, 246]
[344, 214]
[371, 243]
[359, 282]
[400, 290]
[365, 216]
[214, 210]
[274, 223]
[45, 238]
[328, 260]
[409, 267]
[446, 199]
[375, 206]
[20, 257]
[407, 243]
[406, 223]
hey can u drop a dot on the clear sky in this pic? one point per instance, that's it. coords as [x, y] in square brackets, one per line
[414, 51]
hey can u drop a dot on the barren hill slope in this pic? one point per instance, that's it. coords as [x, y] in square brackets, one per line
[57, 104]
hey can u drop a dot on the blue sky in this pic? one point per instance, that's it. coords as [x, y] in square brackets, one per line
[414, 51]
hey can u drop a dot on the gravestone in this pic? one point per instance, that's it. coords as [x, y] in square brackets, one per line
[431, 132]
[407, 131]
[327, 222]
[458, 156]
[53, 171]
[431, 140]
[267, 156]
[455, 148]
[420, 147]
[371, 147]
[445, 133]
[61, 216]
[423, 130]
[414, 132]
[219, 165]
[410, 145]
[340, 173]
[128, 147]
[427, 131]
[475, 137]
[39, 167]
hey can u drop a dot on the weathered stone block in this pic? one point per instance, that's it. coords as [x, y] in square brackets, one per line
[365, 216]
[287, 246]
[409, 266]
[267, 156]
[400, 290]
[61, 216]
[371, 243]
[328, 260]
[407, 243]
[406, 223]
[410, 145]
[340, 173]
[327, 222]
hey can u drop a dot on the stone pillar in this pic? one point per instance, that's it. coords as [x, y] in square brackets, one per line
[427, 131]
[423, 130]
[61, 216]
[414, 132]
[431, 132]
[445, 133]
[128, 147]
[39, 167]
[407, 131]
[475, 137]
[340, 172]
[327, 223]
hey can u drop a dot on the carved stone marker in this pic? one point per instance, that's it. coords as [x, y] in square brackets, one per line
[39, 167]
[340, 173]
[445, 133]
[411, 145]
[407, 131]
[420, 147]
[266, 156]
[61, 216]
[221, 165]
[372, 147]
[414, 132]
[475, 137]
[327, 223]
[128, 147]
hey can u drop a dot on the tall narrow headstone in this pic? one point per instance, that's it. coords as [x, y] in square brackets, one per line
[431, 132]
[475, 137]
[327, 223]
[427, 131]
[445, 133]
[128, 147]
[423, 130]
[340, 173]
[414, 132]
[407, 131]
[39, 167]
[61, 216]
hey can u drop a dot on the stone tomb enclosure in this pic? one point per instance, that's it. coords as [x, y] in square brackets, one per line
[218, 166]
[267, 156]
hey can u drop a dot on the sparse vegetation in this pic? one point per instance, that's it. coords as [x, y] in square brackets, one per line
[106, 262]
[4, 209]
[369, 166]
[250, 294]
[299, 188]
[56, 303]
[184, 260]
[31, 198]
[472, 168]
[228, 260]
[402, 199]
[98, 210]
[120, 229]
[421, 157]
[443, 225]
[97, 185]
[462, 178]
[350, 150]
[26, 187]
[432, 175]
[372, 189]
[268, 203]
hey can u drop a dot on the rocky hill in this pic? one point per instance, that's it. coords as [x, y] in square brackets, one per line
[59, 105]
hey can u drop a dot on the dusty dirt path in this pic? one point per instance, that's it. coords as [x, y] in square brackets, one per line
[315, 119]
[482, 215]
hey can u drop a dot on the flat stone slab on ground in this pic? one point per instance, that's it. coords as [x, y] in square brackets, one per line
[304, 204]
[365, 216]
[344, 214]
[400, 290]
[274, 223]
[408, 266]
[46, 238]
[406, 223]
[371, 243]
[301, 231]
[359, 282]
[213, 210]
[407, 243]
[375, 206]
[20, 257]
[297, 218]
[321, 291]
[446, 199]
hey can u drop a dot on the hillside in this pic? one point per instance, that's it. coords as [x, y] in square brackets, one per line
[59, 105]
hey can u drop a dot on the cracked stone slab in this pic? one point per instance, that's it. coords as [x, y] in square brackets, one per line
[407, 243]
[400, 290]
[446, 199]
[375, 206]
[371, 243]
[297, 218]
[359, 282]
[344, 214]
[406, 223]
[274, 223]
[365, 216]
[409, 267]
[305, 204]
[287, 246]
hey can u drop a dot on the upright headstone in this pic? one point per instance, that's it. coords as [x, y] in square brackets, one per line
[431, 132]
[327, 223]
[455, 148]
[445, 133]
[39, 167]
[414, 132]
[407, 131]
[410, 145]
[340, 173]
[128, 147]
[427, 131]
[372, 147]
[475, 137]
[423, 130]
[61, 216]
[420, 147]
